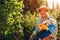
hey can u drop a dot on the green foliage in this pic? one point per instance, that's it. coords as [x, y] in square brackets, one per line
[29, 22]
[10, 20]
[58, 21]
[13, 23]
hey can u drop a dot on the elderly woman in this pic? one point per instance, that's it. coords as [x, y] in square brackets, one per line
[52, 32]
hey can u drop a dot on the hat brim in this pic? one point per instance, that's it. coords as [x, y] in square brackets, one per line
[39, 9]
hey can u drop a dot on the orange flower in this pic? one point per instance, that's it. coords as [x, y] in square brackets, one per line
[42, 26]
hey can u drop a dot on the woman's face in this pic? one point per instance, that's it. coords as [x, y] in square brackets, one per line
[43, 12]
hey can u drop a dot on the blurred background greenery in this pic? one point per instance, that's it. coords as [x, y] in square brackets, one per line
[18, 18]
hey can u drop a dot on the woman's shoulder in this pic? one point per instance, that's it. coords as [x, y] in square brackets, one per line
[52, 18]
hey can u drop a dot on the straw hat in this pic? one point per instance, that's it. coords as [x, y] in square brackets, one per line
[42, 7]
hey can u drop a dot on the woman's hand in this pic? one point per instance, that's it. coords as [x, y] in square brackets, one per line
[31, 37]
[47, 38]
[39, 39]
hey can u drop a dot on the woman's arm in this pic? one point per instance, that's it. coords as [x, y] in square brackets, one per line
[53, 35]
[36, 29]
